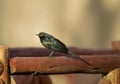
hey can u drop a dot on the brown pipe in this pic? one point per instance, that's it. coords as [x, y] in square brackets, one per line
[63, 64]
[38, 52]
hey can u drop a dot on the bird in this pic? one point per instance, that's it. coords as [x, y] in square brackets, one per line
[52, 43]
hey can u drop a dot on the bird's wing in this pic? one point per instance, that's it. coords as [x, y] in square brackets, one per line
[46, 42]
[58, 46]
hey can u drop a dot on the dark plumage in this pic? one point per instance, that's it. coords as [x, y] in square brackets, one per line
[52, 43]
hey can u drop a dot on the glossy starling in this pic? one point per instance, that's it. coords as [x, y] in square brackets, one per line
[54, 44]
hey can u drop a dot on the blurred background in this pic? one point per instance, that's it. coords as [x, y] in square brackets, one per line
[80, 23]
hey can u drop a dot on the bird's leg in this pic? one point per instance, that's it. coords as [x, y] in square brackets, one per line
[51, 54]
[36, 73]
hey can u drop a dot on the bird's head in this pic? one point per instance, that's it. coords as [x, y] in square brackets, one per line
[41, 34]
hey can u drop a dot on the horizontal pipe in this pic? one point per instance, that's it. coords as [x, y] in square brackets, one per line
[64, 65]
[37, 52]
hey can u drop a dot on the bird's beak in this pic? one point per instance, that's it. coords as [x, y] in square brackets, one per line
[37, 34]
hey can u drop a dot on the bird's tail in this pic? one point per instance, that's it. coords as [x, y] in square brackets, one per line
[72, 55]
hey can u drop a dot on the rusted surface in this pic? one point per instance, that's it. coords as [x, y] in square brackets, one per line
[112, 77]
[62, 64]
[29, 60]
[4, 61]
[37, 52]
[1, 67]
[116, 45]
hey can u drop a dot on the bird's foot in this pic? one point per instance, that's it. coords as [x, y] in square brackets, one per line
[51, 54]
[36, 73]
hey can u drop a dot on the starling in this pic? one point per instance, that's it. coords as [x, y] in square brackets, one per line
[54, 44]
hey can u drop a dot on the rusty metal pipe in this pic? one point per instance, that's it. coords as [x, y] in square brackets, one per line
[63, 64]
[39, 52]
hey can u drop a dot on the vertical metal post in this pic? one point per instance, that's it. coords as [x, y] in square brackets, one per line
[112, 78]
[4, 76]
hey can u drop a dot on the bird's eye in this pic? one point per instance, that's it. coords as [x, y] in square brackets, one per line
[41, 35]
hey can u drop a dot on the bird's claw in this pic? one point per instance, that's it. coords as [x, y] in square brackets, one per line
[36, 73]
